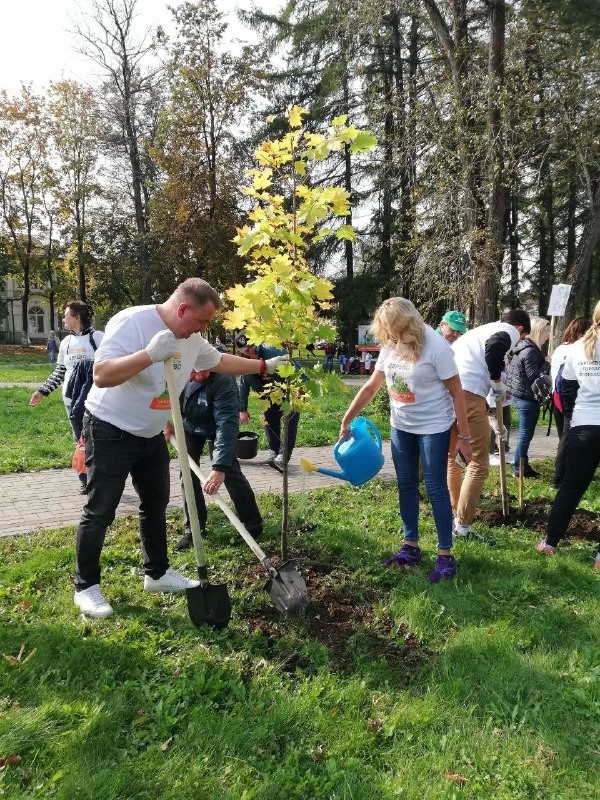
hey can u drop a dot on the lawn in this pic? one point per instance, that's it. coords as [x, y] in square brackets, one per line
[33, 438]
[25, 373]
[484, 687]
[10, 355]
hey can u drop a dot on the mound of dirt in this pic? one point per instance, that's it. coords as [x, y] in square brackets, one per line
[341, 616]
[584, 525]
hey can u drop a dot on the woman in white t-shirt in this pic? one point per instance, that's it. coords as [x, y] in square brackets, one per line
[81, 343]
[573, 332]
[581, 403]
[426, 397]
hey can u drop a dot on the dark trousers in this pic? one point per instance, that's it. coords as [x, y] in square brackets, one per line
[110, 456]
[236, 484]
[273, 418]
[582, 459]
[563, 424]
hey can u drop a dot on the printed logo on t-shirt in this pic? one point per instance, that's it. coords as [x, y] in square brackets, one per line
[400, 380]
[588, 369]
[162, 401]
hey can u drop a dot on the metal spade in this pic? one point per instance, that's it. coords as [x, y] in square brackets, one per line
[208, 604]
[286, 586]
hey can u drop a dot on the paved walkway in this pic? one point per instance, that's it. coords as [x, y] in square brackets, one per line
[32, 501]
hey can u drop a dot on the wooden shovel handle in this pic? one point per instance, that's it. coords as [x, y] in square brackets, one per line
[188, 486]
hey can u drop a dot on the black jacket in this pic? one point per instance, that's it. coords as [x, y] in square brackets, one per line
[526, 364]
[211, 410]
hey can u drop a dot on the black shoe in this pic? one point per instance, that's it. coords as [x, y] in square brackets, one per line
[186, 541]
[83, 488]
[528, 473]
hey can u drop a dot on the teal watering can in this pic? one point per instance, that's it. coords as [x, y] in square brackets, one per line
[359, 457]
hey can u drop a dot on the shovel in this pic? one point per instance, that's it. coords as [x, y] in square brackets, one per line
[503, 489]
[285, 587]
[208, 603]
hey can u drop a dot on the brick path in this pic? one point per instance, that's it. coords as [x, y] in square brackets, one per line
[31, 501]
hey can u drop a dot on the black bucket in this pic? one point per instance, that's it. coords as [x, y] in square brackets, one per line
[247, 446]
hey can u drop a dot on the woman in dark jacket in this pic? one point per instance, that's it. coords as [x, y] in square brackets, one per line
[526, 365]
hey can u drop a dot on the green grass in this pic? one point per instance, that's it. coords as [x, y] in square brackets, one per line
[25, 373]
[33, 438]
[503, 700]
[16, 359]
[40, 437]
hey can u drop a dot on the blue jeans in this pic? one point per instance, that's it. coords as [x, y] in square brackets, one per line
[432, 449]
[529, 413]
[111, 454]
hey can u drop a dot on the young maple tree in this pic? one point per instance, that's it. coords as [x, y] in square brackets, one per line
[281, 305]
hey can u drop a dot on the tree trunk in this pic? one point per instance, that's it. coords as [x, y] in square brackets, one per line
[577, 276]
[513, 246]
[489, 269]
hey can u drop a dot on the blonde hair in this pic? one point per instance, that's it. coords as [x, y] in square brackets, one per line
[590, 338]
[397, 320]
[539, 326]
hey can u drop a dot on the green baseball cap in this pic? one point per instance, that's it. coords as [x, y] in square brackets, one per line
[456, 320]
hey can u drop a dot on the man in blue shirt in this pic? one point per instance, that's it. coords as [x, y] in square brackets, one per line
[274, 413]
[210, 409]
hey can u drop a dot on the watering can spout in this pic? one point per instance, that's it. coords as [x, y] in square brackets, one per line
[333, 473]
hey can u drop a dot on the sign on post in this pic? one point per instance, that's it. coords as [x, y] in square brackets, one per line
[557, 307]
[559, 299]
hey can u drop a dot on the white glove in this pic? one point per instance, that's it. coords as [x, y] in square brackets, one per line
[162, 345]
[272, 363]
[504, 433]
[498, 391]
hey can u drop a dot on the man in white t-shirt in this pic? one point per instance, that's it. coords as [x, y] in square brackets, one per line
[126, 428]
[480, 357]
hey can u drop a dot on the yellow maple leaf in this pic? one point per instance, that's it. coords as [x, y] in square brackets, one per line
[295, 115]
[235, 319]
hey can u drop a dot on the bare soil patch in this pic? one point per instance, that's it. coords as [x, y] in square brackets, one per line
[534, 515]
[341, 615]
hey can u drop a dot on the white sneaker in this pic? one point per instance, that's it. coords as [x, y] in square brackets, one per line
[93, 603]
[463, 531]
[279, 460]
[171, 581]
[272, 455]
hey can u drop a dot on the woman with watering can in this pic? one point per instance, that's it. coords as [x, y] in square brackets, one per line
[426, 397]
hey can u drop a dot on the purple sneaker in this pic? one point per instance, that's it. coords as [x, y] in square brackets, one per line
[445, 568]
[407, 556]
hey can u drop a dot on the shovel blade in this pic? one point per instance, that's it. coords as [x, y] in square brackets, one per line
[287, 590]
[209, 605]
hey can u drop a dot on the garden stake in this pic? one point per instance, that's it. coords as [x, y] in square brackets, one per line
[503, 489]
[521, 466]
[208, 603]
[285, 587]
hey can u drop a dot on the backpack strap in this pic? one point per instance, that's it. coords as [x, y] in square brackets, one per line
[92, 342]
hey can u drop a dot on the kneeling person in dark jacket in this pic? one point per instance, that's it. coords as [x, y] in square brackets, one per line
[210, 408]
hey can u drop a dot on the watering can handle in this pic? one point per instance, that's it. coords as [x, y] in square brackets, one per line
[375, 432]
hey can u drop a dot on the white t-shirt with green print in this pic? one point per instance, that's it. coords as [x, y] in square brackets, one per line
[419, 401]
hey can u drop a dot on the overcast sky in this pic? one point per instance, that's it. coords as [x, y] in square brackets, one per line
[37, 46]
